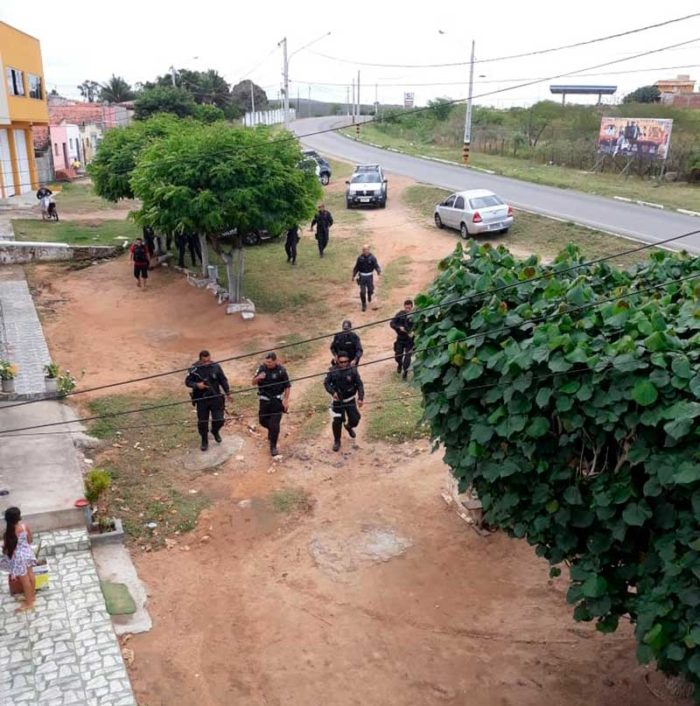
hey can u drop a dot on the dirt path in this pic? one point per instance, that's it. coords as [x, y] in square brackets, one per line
[378, 595]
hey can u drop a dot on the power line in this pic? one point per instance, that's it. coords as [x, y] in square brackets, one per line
[314, 339]
[497, 80]
[256, 388]
[511, 56]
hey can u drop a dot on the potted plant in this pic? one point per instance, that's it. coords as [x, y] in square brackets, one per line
[66, 383]
[51, 373]
[8, 372]
[101, 528]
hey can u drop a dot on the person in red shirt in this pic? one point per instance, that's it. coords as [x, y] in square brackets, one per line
[139, 256]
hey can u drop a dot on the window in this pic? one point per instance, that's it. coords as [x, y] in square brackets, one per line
[450, 202]
[55, 148]
[35, 86]
[15, 82]
[459, 203]
[485, 202]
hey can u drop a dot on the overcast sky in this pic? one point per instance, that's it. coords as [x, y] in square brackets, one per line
[140, 39]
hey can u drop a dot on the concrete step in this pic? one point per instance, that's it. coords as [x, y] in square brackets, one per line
[60, 542]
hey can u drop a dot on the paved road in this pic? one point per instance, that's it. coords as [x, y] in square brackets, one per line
[631, 220]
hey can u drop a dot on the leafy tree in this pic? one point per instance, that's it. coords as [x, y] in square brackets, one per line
[575, 419]
[240, 95]
[643, 94]
[208, 113]
[116, 90]
[441, 108]
[89, 90]
[222, 182]
[119, 151]
[163, 99]
[206, 87]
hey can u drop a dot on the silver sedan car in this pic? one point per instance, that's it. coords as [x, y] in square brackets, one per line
[473, 212]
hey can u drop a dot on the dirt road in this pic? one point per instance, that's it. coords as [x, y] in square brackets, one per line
[373, 593]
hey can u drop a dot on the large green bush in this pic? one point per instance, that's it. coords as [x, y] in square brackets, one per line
[579, 430]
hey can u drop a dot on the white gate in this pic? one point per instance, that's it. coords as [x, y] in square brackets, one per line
[6, 163]
[25, 175]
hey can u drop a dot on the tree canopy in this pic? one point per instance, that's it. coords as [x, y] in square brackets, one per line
[570, 403]
[643, 94]
[116, 90]
[163, 99]
[89, 90]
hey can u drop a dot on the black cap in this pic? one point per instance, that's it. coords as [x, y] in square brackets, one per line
[347, 325]
[271, 356]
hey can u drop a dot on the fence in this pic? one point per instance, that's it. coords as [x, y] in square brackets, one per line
[267, 117]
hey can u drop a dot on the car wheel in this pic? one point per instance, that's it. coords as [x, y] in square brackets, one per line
[251, 238]
[382, 204]
[504, 231]
[438, 221]
[325, 179]
[348, 204]
[464, 231]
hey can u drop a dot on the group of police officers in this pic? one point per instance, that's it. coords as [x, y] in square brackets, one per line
[209, 385]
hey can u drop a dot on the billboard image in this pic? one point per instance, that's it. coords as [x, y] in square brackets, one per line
[408, 100]
[641, 138]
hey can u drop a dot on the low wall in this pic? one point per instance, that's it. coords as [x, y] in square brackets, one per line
[13, 252]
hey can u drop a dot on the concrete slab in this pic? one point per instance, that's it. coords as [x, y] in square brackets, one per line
[114, 564]
[196, 460]
[41, 469]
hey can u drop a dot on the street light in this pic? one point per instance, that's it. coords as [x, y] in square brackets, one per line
[285, 71]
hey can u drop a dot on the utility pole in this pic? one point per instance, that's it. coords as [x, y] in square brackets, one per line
[354, 105]
[172, 76]
[347, 99]
[468, 117]
[309, 105]
[252, 104]
[359, 106]
[376, 100]
[285, 72]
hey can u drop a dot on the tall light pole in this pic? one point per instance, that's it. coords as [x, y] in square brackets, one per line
[252, 104]
[285, 71]
[468, 116]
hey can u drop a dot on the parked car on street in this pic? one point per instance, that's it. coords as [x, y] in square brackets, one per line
[323, 168]
[473, 212]
[254, 237]
[367, 185]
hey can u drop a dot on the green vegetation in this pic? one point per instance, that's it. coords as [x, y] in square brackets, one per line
[80, 197]
[546, 144]
[93, 232]
[531, 233]
[579, 429]
[292, 501]
[96, 483]
[396, 415]
[315, 402]
[143, 459]
[341, 170]
[395, 274]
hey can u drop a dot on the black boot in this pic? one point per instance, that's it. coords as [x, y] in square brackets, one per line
[350, 431]
[336, 446]
[205, 445]
[217, 436]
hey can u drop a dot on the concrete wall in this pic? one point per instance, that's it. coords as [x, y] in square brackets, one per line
[18, 253]
[44, 168]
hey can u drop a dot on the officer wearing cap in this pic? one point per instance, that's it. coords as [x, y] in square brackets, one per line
[274, 389]
[348, 342]
[365, 267]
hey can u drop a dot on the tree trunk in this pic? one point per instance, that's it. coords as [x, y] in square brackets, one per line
[235, 267]
[205, 255]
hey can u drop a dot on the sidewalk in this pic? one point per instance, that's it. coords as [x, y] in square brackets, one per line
[65, 650]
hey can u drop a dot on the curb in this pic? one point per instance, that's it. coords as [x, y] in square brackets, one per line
[686, 212]
[651, 205]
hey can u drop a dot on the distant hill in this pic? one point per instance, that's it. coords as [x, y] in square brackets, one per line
[317, 109]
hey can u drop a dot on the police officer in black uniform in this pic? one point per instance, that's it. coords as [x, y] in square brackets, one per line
[364, 270]
[323, 222]
[344, 384]
[206, 379]
[348, 342]
[290, 244]
[274, 389]
[402, 323]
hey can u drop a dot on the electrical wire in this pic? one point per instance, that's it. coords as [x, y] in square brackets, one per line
[376, 322]
[537, 52]
[256, 388]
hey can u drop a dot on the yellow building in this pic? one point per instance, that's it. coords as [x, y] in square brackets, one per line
[23, 104]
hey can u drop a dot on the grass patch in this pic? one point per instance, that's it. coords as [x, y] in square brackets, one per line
[672, 195]
[396, 274]
[299, 351]
[543, 236]
[95, 232]
[396, 416]
[342, 215]
[292, 501]
[341, 170]
[275, 286]
[80, 197]
[148, 483]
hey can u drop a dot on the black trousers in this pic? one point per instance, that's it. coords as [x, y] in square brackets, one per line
[270, 417]
[344, 413]
[195, 249]
[213, 406]
[366, 288]
[403, 347]
[322, 239]
[291, 250]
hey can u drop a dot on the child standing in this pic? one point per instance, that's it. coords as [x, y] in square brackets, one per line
[18, 555]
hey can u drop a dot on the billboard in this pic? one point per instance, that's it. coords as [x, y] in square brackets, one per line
[408, 100]
[640, 138]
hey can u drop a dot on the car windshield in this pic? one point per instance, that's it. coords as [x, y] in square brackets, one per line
[365, 178]
[485, 201]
